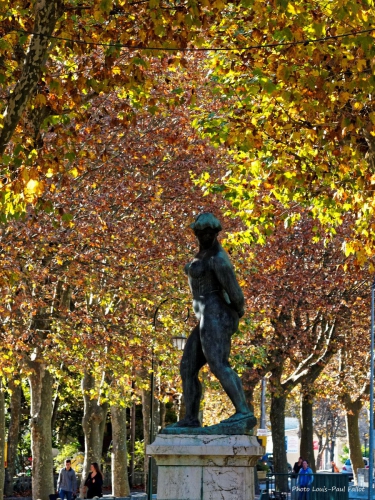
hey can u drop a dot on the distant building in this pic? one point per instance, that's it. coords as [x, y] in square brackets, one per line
[292, 444]
[292, 438]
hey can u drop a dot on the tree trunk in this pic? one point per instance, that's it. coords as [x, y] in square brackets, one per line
[41, 385]
[146, 413]
[146, 407]
[319, 457]
[120, 482]
[2, 441]
[162, 415]
[93, 424]
[132, 443]
[277, 418]
[46, 15]
[249, 384]
[55, 411]
[307, 430]
[13, 434]
[352, 417]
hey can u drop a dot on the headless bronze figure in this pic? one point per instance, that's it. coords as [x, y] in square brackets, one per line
[218, 304]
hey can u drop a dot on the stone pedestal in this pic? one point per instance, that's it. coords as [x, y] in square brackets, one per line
[200, 467]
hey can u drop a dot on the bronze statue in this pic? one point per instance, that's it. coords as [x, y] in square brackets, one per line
[218, 304]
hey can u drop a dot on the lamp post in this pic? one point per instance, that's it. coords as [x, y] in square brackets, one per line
[365, 435]
[371, 433]
[152, 389]
[179, 342]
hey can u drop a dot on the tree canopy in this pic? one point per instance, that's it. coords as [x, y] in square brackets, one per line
[285, 88]
[293, 105]
[122, 120]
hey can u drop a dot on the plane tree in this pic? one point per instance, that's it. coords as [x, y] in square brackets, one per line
[85, 267]
[298, 295]
[292, 102]
[58, 56]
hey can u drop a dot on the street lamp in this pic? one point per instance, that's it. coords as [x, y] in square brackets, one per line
[152, 390]
[179, 342]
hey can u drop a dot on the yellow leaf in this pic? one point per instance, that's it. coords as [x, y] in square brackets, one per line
[344, 96]
[40, 100]
[361, 64]
[32, 186]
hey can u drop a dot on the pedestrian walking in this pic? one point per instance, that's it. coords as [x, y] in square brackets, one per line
[67, 481]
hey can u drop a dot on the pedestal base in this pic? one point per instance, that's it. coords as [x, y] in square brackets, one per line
[192, 467]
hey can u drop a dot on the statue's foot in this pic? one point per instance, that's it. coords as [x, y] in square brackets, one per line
[237, 417]
[237, 424]
[186, 422]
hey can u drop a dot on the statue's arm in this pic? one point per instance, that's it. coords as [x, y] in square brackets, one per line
[225, 274]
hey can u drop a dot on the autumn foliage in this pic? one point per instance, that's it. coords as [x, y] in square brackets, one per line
[120, 122]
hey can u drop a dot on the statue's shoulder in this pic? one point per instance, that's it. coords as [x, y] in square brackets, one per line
[194, 262]
[221, 259]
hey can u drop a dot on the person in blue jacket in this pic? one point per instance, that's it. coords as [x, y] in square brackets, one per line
[304, 482]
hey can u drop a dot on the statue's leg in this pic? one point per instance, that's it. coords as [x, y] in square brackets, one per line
[216, 340]
[192, 361]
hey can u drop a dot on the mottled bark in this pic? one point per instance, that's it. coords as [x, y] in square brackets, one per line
[46, 14]
[93, 424]
[132, 444]
[352, 416]
[277, 419]
[146, 413]
[307, 429]
[41, 391]
[2, 441]
[146, 407]
[55, 410]
[162, 415]
[120, 483]
[13, 434]
[249, 384]
[319, 457]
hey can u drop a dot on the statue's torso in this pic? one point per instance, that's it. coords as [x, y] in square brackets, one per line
[202, 278]
[206, 289]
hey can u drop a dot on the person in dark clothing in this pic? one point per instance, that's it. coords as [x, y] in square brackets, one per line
[297, 467]
[94, 482]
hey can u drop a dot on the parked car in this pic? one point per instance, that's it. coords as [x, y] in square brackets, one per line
[348, 469]
[267, 459]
